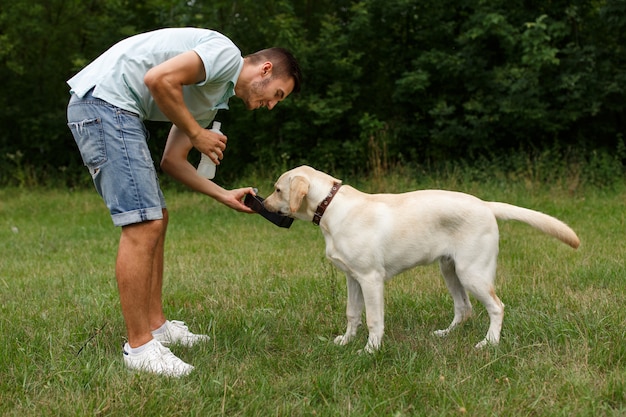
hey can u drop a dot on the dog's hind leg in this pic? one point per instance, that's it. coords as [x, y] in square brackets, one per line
[462, 304]
[354, 310]
[495, 308]
[478, 278]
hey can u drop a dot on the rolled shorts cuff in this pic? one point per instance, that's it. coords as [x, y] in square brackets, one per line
[137, 216]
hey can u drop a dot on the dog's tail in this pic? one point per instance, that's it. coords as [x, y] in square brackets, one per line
[541, 221]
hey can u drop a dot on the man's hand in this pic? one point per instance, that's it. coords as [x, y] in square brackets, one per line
[234, 199]
[209, 143]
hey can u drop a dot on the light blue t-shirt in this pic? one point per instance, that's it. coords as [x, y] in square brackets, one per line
[117, 75]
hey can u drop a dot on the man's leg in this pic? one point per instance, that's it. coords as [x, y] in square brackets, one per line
[134, 271]
[166, 332]
[156, 315]
[113, 146]
[139, 272]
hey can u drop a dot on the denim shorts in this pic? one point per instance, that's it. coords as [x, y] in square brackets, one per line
[113, 145]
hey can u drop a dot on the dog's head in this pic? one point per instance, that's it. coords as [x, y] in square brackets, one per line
[298, 192]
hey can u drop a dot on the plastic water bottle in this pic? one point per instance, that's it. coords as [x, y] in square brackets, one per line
[206, 167]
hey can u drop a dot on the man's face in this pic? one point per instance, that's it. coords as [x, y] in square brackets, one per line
[267, 92]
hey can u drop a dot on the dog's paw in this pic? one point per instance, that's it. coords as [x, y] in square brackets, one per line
[441, 333]
[368, 350]
[342, 340]
[484, 343]
[373, 344]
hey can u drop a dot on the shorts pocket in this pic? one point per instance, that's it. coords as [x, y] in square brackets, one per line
[89, 136]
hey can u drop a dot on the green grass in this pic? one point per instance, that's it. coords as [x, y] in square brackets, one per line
[273, 304]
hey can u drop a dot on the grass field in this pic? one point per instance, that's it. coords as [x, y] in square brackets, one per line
[273, 304]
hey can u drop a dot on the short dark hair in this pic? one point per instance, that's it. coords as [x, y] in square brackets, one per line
[283, 62]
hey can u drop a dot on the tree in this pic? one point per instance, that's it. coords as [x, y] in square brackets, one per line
[404, 81]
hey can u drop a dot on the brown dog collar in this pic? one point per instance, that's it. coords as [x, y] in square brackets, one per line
[317, 217]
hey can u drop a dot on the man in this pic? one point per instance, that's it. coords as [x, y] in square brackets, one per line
[181, 75]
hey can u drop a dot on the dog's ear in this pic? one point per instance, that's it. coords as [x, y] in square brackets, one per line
[298, 188]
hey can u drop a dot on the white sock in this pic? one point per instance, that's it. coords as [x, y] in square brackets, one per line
[138, 349]
[161, 329]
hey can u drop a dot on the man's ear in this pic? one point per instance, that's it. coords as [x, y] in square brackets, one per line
[266, 68]
[298, 188]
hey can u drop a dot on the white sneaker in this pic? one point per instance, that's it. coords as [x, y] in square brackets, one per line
[157, 359]
[176, 332]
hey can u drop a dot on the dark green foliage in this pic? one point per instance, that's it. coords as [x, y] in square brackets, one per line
[387, 82]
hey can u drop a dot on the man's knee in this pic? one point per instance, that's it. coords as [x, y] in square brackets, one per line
[145, 232]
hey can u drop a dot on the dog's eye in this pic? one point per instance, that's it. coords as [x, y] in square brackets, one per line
[278, 190]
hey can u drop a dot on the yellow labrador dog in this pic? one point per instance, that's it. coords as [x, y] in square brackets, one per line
[373, 237]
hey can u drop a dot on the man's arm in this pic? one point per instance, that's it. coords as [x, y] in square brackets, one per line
[165, 82]
[174, 162]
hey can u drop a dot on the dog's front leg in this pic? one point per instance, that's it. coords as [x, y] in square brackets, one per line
[373, 293]
[354, 310]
